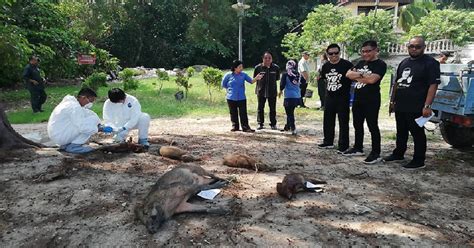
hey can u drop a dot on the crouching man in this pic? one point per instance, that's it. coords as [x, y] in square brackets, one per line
[72, 122]
[123, 113]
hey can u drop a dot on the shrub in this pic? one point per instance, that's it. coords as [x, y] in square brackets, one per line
[129, 83]
[162, 76]
[183, 81]
[96, 80]
[212, 78]
[190, 71]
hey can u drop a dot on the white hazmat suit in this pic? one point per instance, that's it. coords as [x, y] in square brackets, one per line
[72, 124]
[127, 115]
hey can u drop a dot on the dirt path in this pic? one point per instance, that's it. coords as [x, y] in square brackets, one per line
[54, 199]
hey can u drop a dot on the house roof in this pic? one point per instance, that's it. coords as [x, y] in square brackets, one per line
[372, 2]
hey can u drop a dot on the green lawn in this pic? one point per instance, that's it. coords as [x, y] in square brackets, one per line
[164, 105]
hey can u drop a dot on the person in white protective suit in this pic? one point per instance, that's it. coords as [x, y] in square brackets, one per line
[72, 122]
[123, 113]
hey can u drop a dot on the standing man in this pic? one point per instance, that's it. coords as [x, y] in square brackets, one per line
[368, 74]
[35, 84]
[337, 98]
[267, 89]
[303, 69]
[123, 113]
[417, 81]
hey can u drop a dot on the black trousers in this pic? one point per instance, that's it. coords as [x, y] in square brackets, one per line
[406, 123]
[37, 97]
[322, 91]
[261, 110]
[366, 111]
[290, 105]
[339, 107]
[236, 109]
[303, 87]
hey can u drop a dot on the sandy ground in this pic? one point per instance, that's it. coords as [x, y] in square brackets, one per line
[51, 199]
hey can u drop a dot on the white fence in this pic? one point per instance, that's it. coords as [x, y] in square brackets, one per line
[432, 47]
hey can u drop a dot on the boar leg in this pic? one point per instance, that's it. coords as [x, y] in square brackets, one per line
[186, 207]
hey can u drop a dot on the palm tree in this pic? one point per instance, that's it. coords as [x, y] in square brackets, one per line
[411, 14]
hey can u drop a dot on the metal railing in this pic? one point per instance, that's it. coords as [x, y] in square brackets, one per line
[432, 47]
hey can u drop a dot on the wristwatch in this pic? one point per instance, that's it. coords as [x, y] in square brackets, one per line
[427, 107]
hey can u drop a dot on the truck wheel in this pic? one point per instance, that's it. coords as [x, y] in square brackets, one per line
[458, 137]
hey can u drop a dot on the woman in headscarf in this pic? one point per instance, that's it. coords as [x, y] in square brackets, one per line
[289, 84]
[234, 83]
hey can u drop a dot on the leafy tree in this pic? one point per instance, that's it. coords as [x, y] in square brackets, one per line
[332, 24]
[456, 25]
[460, 4]
[212, 77]
[411, 14]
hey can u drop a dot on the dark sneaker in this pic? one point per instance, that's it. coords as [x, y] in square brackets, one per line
[286, 128]
[393, 157]
[372, 159]
[248, 130]
[293, 132]
[326, 146]
[260, 127]
[413, 165]
[353, 152]
[273, 127]
[341, 150]
[234, 129]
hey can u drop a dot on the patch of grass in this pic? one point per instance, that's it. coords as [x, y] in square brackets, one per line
[196, 105]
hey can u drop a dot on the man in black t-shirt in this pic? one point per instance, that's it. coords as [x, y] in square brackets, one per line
[267, 89]
[35, 84]
[368, 74]
[337, 98]
[417, 81]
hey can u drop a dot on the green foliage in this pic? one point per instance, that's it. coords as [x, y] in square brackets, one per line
[212, 78]
[456, 25]
[162, 76]
[129, 83]
[371, 27]
[96, 80]
[183, 81]
[411, 14]
[190, 71]
[14, 52]
[332, 24]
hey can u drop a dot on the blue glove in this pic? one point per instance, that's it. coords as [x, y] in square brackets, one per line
[105, 129]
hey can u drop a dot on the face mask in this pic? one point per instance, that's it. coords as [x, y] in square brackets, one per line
[88, 106]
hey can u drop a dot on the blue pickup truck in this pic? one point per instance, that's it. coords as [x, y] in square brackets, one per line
[454, 104]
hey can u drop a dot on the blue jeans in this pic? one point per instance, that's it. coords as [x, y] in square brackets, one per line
[77, 148]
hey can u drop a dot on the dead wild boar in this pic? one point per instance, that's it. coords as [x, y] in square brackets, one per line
[294, 183]
[176, 153]
[171, 192]
[244, 161]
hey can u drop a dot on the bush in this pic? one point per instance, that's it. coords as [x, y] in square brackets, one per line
[96, 80]
[212, 78]
[162, 76]
[190, 71]
[183, 81]
[129, 83]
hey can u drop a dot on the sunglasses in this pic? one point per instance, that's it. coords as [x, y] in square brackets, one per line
[366, 51]
[415, 46]
[334, 53]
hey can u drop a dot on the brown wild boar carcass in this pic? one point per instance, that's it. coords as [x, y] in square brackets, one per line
[245, 161]
[171, 192]
[294, 183]
[176, 153]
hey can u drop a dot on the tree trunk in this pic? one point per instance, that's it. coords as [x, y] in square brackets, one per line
[9, 138]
